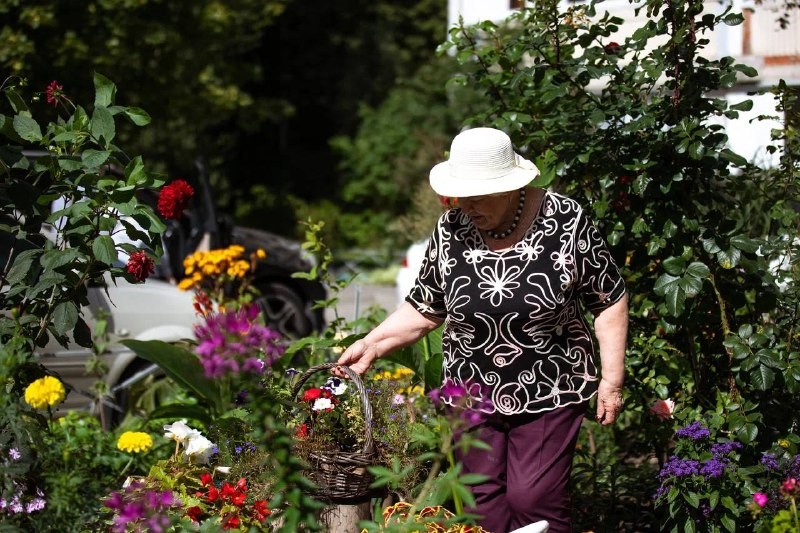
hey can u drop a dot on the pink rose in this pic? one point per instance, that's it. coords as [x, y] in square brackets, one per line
[760, 498]
[663, 409]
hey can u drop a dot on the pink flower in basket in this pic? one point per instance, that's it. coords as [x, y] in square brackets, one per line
[663, 409]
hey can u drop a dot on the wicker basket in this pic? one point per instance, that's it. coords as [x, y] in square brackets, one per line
[342, 477]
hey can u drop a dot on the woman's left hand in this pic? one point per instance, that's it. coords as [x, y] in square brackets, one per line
[609, 402]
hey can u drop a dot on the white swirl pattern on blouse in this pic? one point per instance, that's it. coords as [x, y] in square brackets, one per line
[514, 327]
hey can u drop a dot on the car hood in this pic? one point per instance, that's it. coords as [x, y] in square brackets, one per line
[281, 252]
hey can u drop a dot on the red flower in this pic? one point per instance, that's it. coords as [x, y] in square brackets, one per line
[206, 479]
[53, 92]
[174, 198]
[242, 484]
[227, 491]
[302, 431]
[213, 494]
[140, 265]
[232, 522]
[238, 498]
[194, 513]
[612, 48]
[312, 394]
[260, 510]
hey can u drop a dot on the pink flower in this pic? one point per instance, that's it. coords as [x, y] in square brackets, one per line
[174, 198]
[789, 487]
[53, 92]
[663, 409]
[760, 498]
[140, 266]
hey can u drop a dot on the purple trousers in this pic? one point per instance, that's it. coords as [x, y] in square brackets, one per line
[528, 467]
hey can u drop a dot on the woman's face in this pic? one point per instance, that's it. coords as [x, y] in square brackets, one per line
[491, 211]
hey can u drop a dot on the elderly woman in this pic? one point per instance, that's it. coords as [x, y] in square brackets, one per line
[508, 272]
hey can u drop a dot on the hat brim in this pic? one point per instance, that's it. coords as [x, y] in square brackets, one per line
[444, 183]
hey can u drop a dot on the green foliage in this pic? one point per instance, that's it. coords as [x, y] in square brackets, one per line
[46, 280]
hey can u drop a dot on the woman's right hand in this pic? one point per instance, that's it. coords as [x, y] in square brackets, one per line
[359, 356]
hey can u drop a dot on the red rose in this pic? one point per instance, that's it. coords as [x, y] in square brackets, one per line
[232, 522]
[140, 265]
[205, 479]
[53, 92]
[174, 198]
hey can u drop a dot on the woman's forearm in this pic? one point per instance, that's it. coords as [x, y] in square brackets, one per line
[611, 330]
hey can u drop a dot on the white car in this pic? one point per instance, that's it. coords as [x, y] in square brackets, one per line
[153, 310]
[409, 269]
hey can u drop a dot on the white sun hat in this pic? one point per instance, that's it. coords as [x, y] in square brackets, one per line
[482, 161]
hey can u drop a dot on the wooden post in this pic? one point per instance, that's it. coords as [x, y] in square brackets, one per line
[345, 518]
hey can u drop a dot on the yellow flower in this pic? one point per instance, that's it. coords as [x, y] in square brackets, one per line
[45, 392]
[135, 442]
[186, 284]
[784, 443]
[261, 254]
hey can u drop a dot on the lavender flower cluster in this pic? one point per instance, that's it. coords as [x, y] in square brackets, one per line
[18, 503]
[232, 342]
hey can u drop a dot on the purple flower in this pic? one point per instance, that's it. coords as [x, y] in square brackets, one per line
[678, 467]
[769, 461]
[14, 454]
[724, 448]
[36, 504]
[232, 342]
[694, 431]
[713, 468]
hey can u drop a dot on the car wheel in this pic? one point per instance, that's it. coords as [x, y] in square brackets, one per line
[284, 310]
[137, 375]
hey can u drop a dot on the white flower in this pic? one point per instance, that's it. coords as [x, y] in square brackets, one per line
[199, 449]
[322, 404]
[336, 385]
[398, 399]
[223, 469]
[179, 431]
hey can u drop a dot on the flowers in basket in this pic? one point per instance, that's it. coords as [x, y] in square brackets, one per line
[330, 419]
[229, 503]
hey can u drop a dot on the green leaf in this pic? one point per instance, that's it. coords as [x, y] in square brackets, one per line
[744, 105]
[763, 377]
[55, 258]
[692, 499]
[104, 91]
[103, 128]
[698, 270]
[22, 267]
[730, 258]
[182, 366]
[697, 150]
[104, 249]
[733, 19]
[94, 158]
[65, 317]
[138, 116]
[745, 243]
[27, 128]
[747, 70]
[674, 265]
[728, 523]
[732, 157]
[747, 434]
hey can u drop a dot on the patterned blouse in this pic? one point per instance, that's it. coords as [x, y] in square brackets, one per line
[514, 329]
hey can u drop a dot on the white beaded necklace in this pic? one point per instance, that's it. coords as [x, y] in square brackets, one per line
[517, 216]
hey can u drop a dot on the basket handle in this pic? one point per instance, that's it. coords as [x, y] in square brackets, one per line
[356, 379]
